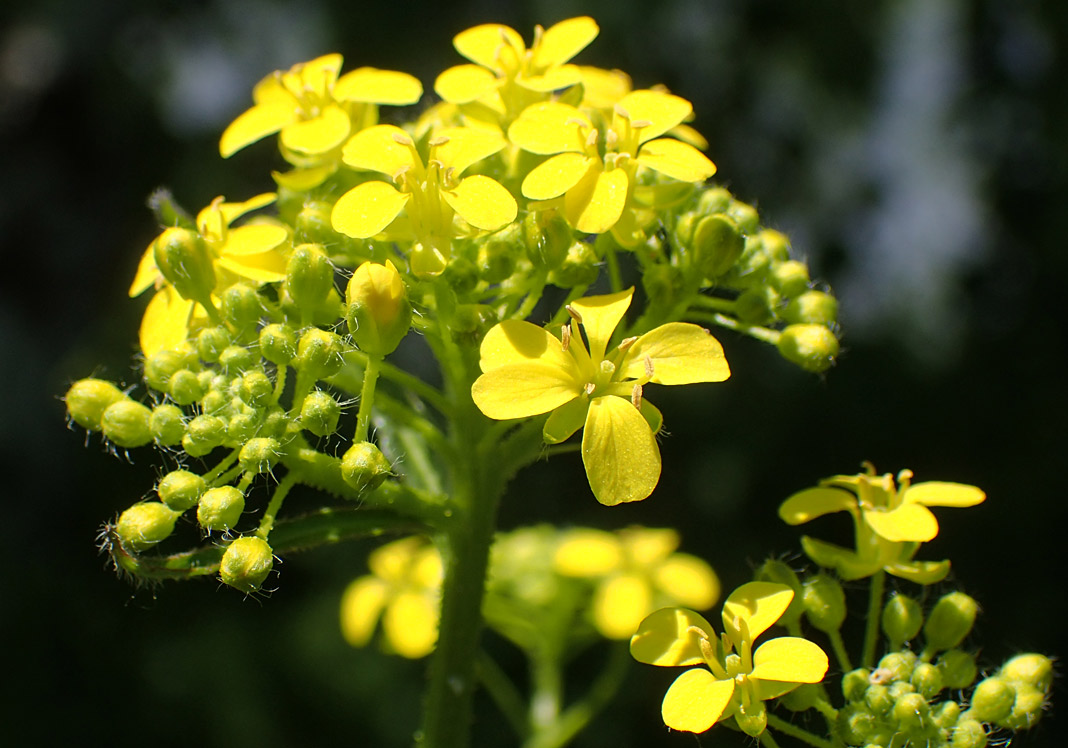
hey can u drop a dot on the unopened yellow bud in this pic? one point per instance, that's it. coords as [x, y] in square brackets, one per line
[185, 261]
[309, 275]
[968, 733]
[1026, 709]
[181, 489]
[825, 605]
[167, 424]
[143, 525]
[260, 454]
[1033, 669]
[220, 508]
[319, 353]
[378, 313]
[127, 423]
[992, 700]
[246, 563]
[319, 413]
[812, 347]
[87, 399]
[717, 245]
[902, 619]
[950, 621]
[364, 467]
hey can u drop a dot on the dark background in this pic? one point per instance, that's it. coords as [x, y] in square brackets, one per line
[914, 151]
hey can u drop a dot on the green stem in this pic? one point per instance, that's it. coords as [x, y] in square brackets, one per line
[267, 523]
[840, 650]
[801, 734]
[875, 607]
[768, 740]
[762, 334]
[367, 398]
[504, 694]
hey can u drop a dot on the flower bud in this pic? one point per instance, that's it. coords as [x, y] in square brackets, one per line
[167, 424]
[968, 733]
[241, 307]
[946, 714]
[313, 223]
[776, 245]
[203, 434]
[364, 467]
[992, 700]
[126, 423]
[184, 260]
[752, 719]
[899, 664]
[813, 308]
[902, 620]
[1032, 669]
[278, 343]
[255, 388]
[246, 563]
[802, 698]
[215, 402]
[547, 237]
[275, 424]
[950, 621]
[181, 489]
[790, 278]
[910, 712]
[260, 454]
[143, 525]
[745, 216]
[241, 427]
[162, 365]
[87, 399]
[309, 276]
[461, 274]
[855, 684]
[235, 359]
[497, 254]
[319, 354]
[958, 668]
[717, 245]
[825, 604]
[812, 347]
[1026, 709]
[878, 699]
[662, 283]
[211, 341]
[714, 200]
[185, 388]
[220, 508]
[319, 413]
[685, 226]
[855, 724]
[579, 268]
[776, 571]
[754, 306]
[378, 312]
[927, 680]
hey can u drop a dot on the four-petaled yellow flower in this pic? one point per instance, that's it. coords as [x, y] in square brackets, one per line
[890, 522]
[506, 76]
[255, 253]
[637, 572]
[735, 680]
[315, 110]
[527, 372]
[404, 589]
[431, 194]
[596, 173]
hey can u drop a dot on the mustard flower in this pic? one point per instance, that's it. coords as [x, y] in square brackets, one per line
[253, 253]
[637, 572]
[733, 680]
[890, 521]
[506, 76]
[431, 194]
[404, 590]
[316, 111]
[594, 174]
[527, 372]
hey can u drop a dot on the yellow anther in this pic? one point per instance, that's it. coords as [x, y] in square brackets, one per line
[627, 343]
[574, 313]
[589, 388]
[648, 367]
[636, 397]
[565, 337]
[402, 139]
[435, 142]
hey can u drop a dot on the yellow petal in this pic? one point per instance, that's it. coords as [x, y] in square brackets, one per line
[482, 202]
[361, 605]
[920, 572]
[601, 316]
[411, 624]
[248, 259]
[556, 175]
[791, 659]
[257, 123]
[759, 604]
[603, 88]
[392, 562]
[521, 390]
[688, 581]
[647, 547]
[304, 180]
[939, 493]
[516, 341]
[230, 212]
[806, 505]
[464, 146]
[165, 324]
[254, 239]
[147, 272]
[367, 209]
[676, 159]
[563, 422]
[426, 569]
[374, 86]
[665, 638]
[587, 552]
[465, 83]
[562, 41]
[680, 353]
[270, 91]
[318, 76]
[595, 204]
[907, 523]
[619, 451]
[695, 701]
[847, 563]
[662, 111]
[620, 604]
[482, 44]
[321, 134]
[550, 127]
[377, 149]
[553, 79]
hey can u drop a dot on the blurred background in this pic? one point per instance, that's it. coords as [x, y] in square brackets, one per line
[914, 151]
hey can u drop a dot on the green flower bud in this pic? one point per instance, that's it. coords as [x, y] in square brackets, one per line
[275, 424]
[462, 275]
[714, 200]
[313, 223]
[776, 245]
[309, 276]
[215, 402]
[878, 699]
[185, 261]
[470, 322]
[220, 508]
[662, 284]
[143, 525]
[790, 278]
[180, 489]
[958, 668]
[825, 604]
[87, 399]
[161, 366]
[717, 245]
[902, 620]
[900, 689]
[255, 388]
[856, 724]
[497, 254]
[241, 427]
[755, 306]
[126, 423]
[950, 621]
[802, 698]
[211, 342]
[246, 563]
[1026, 709]
[241, 307]
[167, 424]
[911, 712]
[1032, 669]
[203, 434]
[319, 413]
[812, 308]
[259, 455]
[579, 268]
[946, 714]
[547, 238]
[278, 343]
[684, 227]
[319, 354]
[364, 467]
[185, 388]
[752, 719]
[855, 684]
[379, 313]
[968, 733]
[235, 359]
[899, 664]
[776, 571]
[992, 700]
[745, 216]
[927, 680]
[812, 347]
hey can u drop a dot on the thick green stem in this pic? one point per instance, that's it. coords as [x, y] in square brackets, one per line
[797, 732]
[367, 398]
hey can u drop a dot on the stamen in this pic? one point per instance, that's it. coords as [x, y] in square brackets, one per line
[589, 388]
[639, 123]
[648, 367]
[591, 139]
[636, 397]
[627, 343]
[434, 142]
[402, 139]
[574, 313]
[565, 337]
[621, 112]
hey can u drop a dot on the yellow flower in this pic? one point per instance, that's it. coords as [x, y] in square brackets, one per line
[430, 193]
[890, 522]
[255, 253]
[404, 590]
[506, 76]
[735, 680]
[315, 110]
[527, 372]
[595, 173]
[638, 572]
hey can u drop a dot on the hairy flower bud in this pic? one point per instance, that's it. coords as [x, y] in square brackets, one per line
[246, 563]
[309, 276]
[181, 489]
[185, 261]
[812, 347]
[255, 389]
[497, 254]
[950, 621]
[899, 665]
[902, 620]
[968, 733]
[717, 245]
[162, 365]
[167, 424]
[143, 525]
[242, 308]
[211, 341]
[855, 684]
[958, 668]
[260, 454]
[364, 467]
[235, 359]
[87, 399]
[579, 268]
[126, 423]
[319, 353]
[813, 308]
[278, 343]
[313, 223]
[220, 508]
[547, 237]
[790, 278]
[378, 312]
[319, 413]
[185, 387]
[1033, 669]
[992, 700]
[927, 680]
[824, 601]
[203, 434]
[1026, 708]
[910, 712]
[856, 724]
